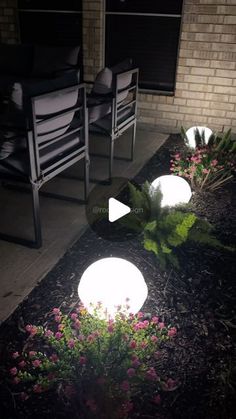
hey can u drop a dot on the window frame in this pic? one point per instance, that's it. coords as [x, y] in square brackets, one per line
[180, 16]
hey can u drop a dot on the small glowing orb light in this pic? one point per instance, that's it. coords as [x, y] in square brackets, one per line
[175, 190]
[112, 282]
[190, 133]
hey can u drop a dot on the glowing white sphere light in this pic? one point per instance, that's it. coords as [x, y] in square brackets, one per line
[111, 281]
[190, 133]
[175, 190]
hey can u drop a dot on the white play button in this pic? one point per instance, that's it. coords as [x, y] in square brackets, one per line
[117, 210]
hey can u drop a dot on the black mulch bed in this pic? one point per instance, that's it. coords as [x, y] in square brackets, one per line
[200, 300]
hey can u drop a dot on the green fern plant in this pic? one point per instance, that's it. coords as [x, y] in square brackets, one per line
[163, 230]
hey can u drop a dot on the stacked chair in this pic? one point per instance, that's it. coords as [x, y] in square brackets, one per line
[112, 106]
[53, 137]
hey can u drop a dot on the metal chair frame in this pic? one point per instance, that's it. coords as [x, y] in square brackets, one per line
[39, 175]
[117, 128]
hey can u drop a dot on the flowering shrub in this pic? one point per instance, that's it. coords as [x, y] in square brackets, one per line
[103, 366]
[209, 166]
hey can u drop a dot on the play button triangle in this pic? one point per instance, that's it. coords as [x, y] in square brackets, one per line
[117, 210]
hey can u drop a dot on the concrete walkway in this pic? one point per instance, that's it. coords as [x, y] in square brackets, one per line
[63, 222]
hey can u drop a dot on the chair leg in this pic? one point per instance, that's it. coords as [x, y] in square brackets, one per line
[111, 157]
[37, 242]
[133, 140]
[86, 178]
[36, 215]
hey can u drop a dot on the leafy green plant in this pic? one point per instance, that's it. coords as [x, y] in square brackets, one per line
[208, 166]
[163, 230]
[101, 366]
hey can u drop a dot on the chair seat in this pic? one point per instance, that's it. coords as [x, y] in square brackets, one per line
[97, 109]
[104, 124]
[17, 164]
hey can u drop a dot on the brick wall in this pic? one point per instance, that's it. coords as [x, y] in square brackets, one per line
[93, 24]
[8, 21]
[206, 71]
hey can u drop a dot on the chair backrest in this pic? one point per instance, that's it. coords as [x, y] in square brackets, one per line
[55, 139]
[125, 94]
[49, 105]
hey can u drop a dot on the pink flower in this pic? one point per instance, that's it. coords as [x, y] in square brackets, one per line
[16, 380]
[22, 364]
[74, 316]
[131, 372]
[143, 344]
[32, 354]
[37, 388]
[24, 396]
[110, 328]
[140, 315]
[205, 171]
[56, 311]
[161, 325]
[36, 363]
[154, 339]
[61, 327]
[135, 363]
[57, 319]
[31, 329]
[140, 325]
[155, 320]
[28, 328]
[77, 324]
[157, 399]
[214, 162]
[125, 385]
[71, 343]
[151, 374]
[81, 338]
[132, 344]
[82, 360]
[13, 371]
[172, 331]
[193, 169]
[171, 383]
[15, 355]
[48, 333]
[58, 335]
[177, 156]
[91, 338]
[54, 358]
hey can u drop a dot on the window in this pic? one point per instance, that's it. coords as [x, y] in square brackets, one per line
[147, 31]
[51, 22]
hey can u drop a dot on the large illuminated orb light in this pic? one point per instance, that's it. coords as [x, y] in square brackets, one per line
[112, 282]
[175, 190]
[190, 134]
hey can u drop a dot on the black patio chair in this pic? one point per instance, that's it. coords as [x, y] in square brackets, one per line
[114, 110]
[52, 141]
